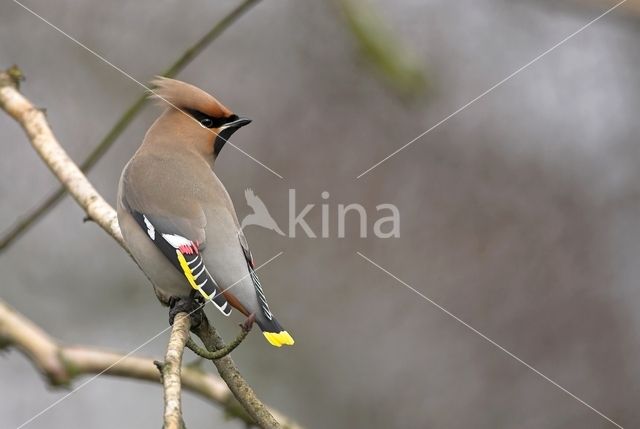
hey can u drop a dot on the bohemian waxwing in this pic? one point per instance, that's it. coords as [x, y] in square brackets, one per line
[176, 216]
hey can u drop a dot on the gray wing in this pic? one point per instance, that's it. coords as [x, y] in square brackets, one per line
[173, 219]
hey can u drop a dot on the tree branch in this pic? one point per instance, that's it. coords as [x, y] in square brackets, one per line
[170, 370]
[62, 364]
[44, 142]
[231, 375]
[26, 221]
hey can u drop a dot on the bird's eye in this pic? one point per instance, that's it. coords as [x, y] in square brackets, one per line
[207, 122]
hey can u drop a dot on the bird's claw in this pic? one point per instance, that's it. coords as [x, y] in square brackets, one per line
[188, 305]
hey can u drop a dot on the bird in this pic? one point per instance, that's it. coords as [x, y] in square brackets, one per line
[260, 215]
[177, 218]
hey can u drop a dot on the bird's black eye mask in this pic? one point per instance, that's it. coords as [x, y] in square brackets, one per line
[211, 122]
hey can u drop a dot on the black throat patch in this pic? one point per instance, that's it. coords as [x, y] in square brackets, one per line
[222, 138]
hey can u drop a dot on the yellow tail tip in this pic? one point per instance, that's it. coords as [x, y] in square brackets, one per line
[279, 339]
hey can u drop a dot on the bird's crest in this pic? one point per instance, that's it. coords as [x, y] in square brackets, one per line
[182, 95]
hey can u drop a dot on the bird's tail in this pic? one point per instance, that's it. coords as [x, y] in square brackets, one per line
[275, 333]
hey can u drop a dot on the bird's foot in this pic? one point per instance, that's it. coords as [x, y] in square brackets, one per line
[190, 305]
[248, 323]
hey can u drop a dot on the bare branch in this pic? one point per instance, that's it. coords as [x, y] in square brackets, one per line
[231, 375]
[44, 142]
[170, 370]
[25, 222]
[62, 364]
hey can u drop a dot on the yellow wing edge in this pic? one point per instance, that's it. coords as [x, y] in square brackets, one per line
[187, 273]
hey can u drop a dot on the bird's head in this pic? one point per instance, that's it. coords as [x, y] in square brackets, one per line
[195, 116]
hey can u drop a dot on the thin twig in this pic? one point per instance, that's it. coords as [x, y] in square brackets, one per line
[170, 370]
[44, 142]
[26, 221]
[203, 353]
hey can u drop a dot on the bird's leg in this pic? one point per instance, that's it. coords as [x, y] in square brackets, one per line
[197, 316]
[192, 305]
[248, 322]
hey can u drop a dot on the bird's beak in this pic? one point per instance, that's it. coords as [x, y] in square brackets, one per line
[238, 123]
[225, 132]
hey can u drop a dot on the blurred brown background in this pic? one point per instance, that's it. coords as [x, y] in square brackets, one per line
[520, 215]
